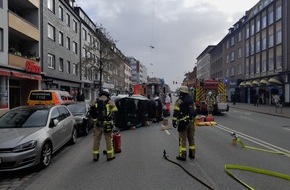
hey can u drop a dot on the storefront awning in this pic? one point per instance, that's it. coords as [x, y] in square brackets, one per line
[256, 82]
[275, 80]
[264, 81]
[26, 76]
[249, 83]
[4, 73]
[242, 84]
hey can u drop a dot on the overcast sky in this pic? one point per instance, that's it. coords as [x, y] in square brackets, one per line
[179, 30]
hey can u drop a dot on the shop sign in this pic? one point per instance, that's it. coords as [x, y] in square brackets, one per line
[30, 66]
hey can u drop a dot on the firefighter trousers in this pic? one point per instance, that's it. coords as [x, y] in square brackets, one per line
[187, 135]
[97, 133]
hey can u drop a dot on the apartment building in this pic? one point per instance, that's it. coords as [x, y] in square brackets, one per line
[60, 48]
[203, 63]
[20, 69]
[266, 66]
[90, 55]
[128, 78]
[138, 71]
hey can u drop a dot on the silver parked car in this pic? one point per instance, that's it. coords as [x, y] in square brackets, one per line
[29, 135]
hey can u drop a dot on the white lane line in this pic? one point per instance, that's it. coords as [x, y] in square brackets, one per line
[288, 129]
[246, 118]
[254, 140]
[167, 132]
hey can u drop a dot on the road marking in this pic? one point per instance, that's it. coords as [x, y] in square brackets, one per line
[246, 118]
[288, 129]
[254, 140]
[167, 132]
[243, 112]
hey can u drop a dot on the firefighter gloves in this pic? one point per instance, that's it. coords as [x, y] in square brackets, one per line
[174, 124]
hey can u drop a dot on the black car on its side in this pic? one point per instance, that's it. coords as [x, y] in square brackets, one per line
[80, 111]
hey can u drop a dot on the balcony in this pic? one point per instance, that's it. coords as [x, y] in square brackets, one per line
[21, 27]
[17, 60]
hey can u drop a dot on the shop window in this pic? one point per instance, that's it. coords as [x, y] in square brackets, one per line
[3, 92]
[1, 39]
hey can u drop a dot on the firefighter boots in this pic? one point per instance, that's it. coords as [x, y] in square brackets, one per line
[180, 158]
[96, 157]
[191, 154]
[109, 159]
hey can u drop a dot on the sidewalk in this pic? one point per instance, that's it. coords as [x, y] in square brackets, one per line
[266, 109]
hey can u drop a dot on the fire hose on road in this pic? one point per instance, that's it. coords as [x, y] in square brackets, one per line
[228, 167]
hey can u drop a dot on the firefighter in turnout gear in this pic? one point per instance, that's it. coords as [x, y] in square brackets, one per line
[103, 112]
[210, 101]
[183, 118]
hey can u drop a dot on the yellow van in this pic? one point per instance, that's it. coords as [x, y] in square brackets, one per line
[49, 97]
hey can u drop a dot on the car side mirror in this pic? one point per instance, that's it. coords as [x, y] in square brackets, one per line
[54, 123]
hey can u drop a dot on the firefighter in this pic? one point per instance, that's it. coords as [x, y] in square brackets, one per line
[104, 125]
[183, 118]
[210, 101]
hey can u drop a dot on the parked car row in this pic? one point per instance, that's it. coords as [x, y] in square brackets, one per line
[30, 135]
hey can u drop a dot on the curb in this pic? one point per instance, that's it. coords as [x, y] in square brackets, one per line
[279, 115]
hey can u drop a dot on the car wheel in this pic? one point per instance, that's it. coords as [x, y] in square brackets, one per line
[86, 129]
[74, 136]
[46, 154]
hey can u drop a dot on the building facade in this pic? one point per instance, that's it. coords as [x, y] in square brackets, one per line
[60, 48]
[20, 69]
[203, 64]
[266, 68]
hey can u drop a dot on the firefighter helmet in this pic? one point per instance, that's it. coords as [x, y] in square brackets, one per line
[209, 93]
[184, 89]
[105, 92]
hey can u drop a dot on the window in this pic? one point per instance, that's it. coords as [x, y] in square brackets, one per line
[68, 67]
[232, 56]
[84, 34]
[264, 62]
[271, 60]
[247, 32]
[233, 41]
[67, 19]
[252, 28]
[278, 12]
[1, 40]
[232, 71]
[60, 13]
[75, 69]
[51, 61]
[271, 17]
[258, 46]
[75, 26]
[239, 53]
[227, 59]
[67, 43]
[252, 65]
[50, 5]
[1, 3]
[271, 40]
[257, 63]
[4, 92]
[279, 57]
[247, 67]
[258, 24]
[60, 38]
[252, 47]
[60, 64]
[75, 47]
[264, 21]
[264, 43]
[239, 36]
[51, 32]
[279, 37]
[84, 53]
[247, 50]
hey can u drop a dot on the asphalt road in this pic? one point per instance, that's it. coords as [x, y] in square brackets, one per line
[141, 164]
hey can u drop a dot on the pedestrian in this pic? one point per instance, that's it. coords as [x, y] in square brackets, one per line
[256, 99]
[103, 113]
[262, 98]
[183, 119]
[276, 100]
[79, 97]
[167, 102]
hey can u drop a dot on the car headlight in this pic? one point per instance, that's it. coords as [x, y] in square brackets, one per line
[25, 146]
